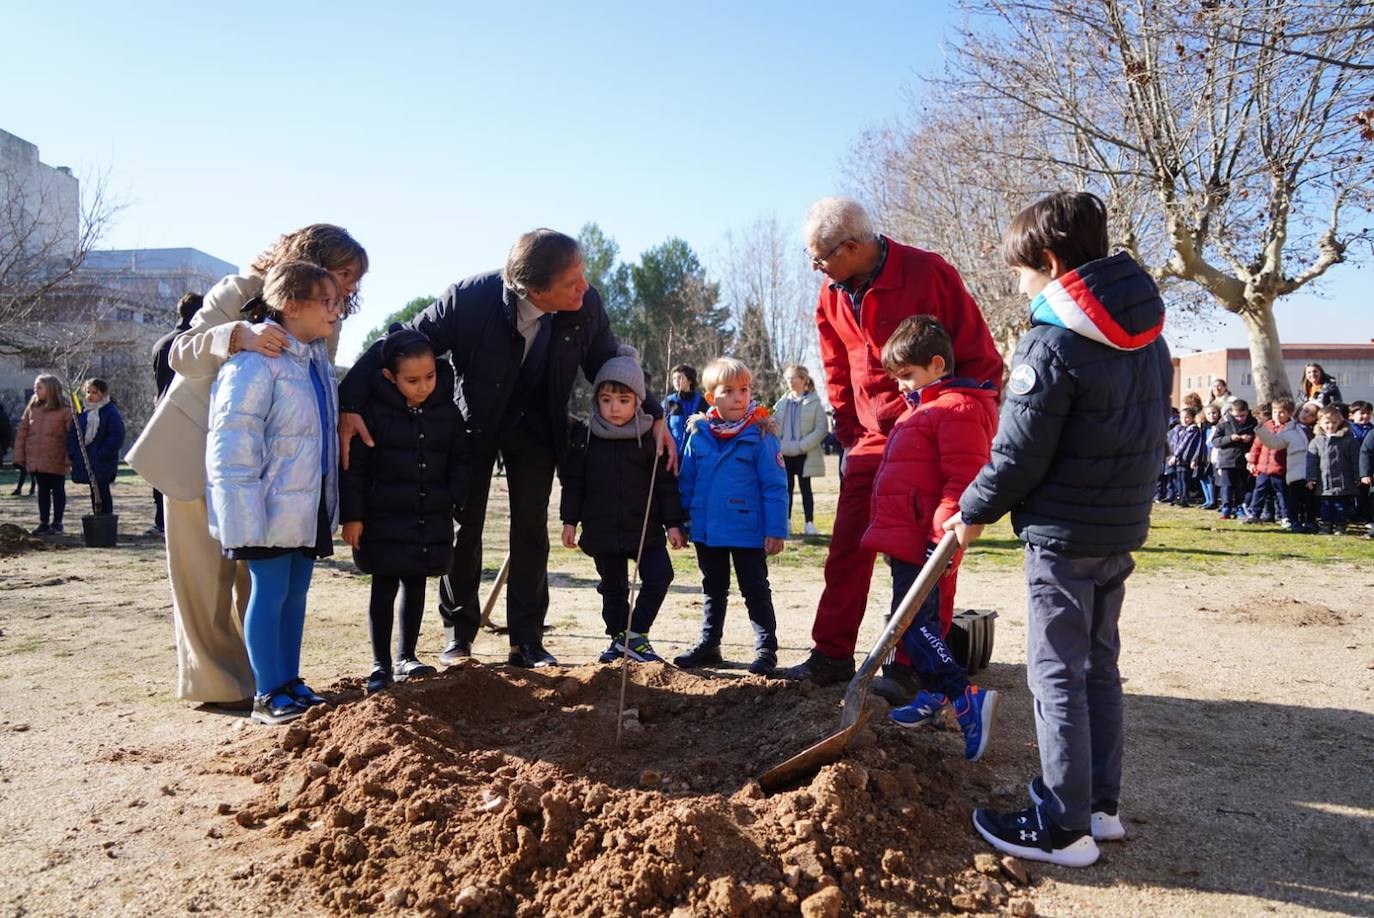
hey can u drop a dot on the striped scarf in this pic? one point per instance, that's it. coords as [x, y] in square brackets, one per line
[722, 429]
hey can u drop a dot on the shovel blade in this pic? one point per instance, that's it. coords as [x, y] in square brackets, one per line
[810, 760]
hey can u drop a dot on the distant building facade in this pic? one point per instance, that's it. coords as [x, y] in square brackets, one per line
[1352, 366]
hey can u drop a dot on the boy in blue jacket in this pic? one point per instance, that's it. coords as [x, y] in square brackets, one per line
[734, 488]
[1075, 460]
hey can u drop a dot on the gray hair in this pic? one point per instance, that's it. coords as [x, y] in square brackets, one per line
[537, 258]
[831, 221]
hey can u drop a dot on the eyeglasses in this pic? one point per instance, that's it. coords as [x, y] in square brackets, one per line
[817, 262]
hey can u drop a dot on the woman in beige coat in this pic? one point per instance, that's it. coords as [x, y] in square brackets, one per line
[209, 591]
[801, 428]
[40, 445]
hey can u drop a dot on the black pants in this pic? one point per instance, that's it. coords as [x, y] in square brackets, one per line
[33, 480]
[104, 503]
[795, 466]
[751, 567]
[159, 519]
[52, 494]
[655, 576]
[529, 461]
[381, 613]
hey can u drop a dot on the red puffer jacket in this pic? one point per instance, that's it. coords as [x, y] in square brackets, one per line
[912, 282]
[932, 454]
[1269, 461]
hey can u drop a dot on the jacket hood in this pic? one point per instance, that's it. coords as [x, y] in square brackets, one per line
[1111, 301]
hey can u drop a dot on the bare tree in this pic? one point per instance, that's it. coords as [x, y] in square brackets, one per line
[1241, 130]
[38, 252]
[772, 296]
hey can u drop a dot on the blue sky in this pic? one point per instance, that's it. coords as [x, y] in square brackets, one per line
[436, 133]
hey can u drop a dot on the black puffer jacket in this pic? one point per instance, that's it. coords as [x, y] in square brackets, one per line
[474, 324]
[1081, 435]
[605, 487]
[405, 488]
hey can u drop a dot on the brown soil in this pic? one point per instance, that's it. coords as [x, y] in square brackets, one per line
[15, 540]
[500, 791]
[1286, 612]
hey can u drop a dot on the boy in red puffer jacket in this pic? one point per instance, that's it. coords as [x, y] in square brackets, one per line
[934, 451]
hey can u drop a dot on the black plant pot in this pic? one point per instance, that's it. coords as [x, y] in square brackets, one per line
[970, 637]
[100, 529]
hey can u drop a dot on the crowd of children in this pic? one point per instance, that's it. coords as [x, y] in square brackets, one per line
[1305, 468]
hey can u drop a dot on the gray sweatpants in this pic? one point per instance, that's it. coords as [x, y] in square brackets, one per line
[1072, 645]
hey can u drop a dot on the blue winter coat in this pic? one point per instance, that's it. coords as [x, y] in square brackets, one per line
[734, 490]
[1081, 436]
[678, 409]
[268, 454]
[103, 450]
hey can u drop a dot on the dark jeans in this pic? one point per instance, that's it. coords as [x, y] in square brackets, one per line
[935, 667]
[1183, 483]
[1267, 486]
[1232, 487]
[1302, 506]
[381, 613]
[1336, 510]
[795, 466]
[52, 493]
[529, 462]
[104, 502]
[159, 519]
[751, 567]
[655, 575]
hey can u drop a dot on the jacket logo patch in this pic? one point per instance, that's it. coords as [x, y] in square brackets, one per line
[1022, 379]
[778, 456]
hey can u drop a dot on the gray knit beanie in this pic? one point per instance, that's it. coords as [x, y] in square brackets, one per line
[623, 368]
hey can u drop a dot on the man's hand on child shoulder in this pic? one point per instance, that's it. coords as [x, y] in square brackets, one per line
[773, 546]
[676, 538]
[966, 533]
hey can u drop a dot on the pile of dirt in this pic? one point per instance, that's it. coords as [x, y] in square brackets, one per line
[14, 540]
[1287, 612]
[498, 791]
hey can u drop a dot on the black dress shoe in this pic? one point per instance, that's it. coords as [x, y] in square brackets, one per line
[531, 656]
[457, 649]
[380, 679]
[266, 712]
[821, 670]
[303, 693]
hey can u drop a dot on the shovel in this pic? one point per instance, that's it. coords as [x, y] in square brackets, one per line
[852, 715]
[495, 594]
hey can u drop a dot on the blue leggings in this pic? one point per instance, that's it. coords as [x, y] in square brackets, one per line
[275, 618]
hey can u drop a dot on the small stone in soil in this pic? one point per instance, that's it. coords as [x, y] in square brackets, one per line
[1015, 870]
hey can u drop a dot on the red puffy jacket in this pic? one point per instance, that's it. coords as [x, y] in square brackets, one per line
[1269, 461]
[932, 454]
[912, 282]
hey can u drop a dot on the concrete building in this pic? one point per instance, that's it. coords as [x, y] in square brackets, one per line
[1352, 365]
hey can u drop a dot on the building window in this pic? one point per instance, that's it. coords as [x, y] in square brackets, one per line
[1245, 380]
[124, 315]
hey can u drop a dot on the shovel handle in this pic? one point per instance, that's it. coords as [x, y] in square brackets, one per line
[915, 597]
[495, 594]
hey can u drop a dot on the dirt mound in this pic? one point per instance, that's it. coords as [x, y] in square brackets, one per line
[1286, 611]
[15, 540]
[495, 791]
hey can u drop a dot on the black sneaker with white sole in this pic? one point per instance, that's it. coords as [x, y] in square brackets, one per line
[1107, 825]
[1027, 835]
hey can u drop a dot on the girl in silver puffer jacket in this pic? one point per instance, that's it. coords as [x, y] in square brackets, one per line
[271, 476]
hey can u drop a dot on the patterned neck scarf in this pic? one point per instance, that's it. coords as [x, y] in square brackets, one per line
[722, 429]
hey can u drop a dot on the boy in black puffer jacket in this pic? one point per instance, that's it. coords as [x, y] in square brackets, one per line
[1233, 438]
[1075, 459]
[605, 478]
[398, 497]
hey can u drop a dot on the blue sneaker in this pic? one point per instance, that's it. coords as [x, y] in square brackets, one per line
[974, 710]
[920, 712]
[641, 651]
[615, 651]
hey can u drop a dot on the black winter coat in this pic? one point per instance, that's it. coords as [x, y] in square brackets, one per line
[605, 486]
[474, 323]
[1081, 436]
[405, 489]
[1232, 454]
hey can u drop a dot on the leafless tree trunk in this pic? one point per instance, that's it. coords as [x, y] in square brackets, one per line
[1241, 129]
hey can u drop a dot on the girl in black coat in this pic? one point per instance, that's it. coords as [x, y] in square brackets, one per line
[398, 496]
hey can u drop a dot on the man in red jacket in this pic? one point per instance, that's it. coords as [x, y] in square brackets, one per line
[872, 284]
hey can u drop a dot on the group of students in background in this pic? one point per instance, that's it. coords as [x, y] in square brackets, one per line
[51, 442]
[1305, 467]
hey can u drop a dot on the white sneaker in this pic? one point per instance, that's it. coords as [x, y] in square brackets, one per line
[1105, 826]
[810, 529]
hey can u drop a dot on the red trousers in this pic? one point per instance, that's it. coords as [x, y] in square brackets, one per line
[849, 568]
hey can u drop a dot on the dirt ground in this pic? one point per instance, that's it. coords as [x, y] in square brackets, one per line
[1249, 786]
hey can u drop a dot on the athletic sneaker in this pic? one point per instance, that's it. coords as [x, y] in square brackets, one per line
[1024, 834]
[1106, 822]
[641, 651]
[975, 710]
[700, 655]
[920, 712]
[811, 529]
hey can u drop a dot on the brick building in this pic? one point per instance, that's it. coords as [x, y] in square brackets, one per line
[1352, 366]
